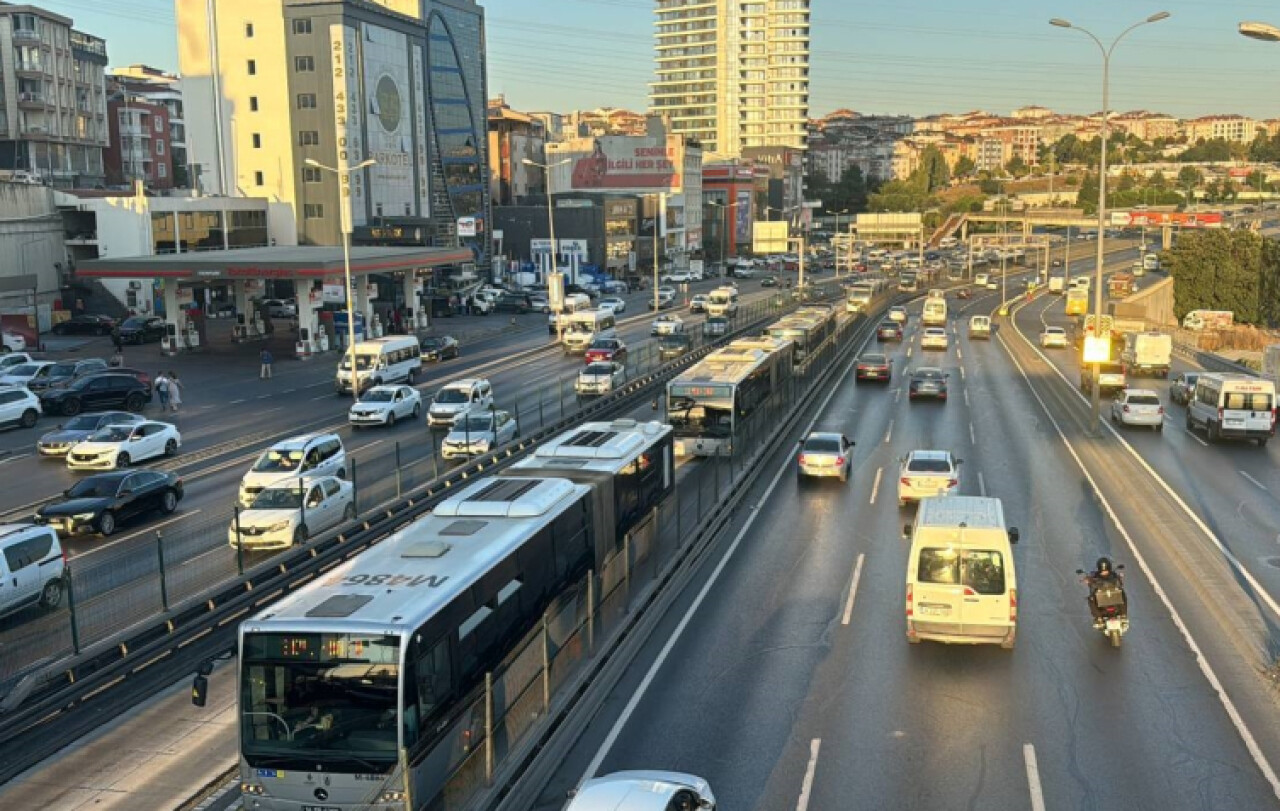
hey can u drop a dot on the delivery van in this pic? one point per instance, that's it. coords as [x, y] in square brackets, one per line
[961, 582]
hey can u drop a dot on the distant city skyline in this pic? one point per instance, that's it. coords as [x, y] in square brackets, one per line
[912, 57]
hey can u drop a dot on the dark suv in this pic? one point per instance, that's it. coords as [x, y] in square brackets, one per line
[64, 372]
[141, 329]
[512, 303]
[95, 393]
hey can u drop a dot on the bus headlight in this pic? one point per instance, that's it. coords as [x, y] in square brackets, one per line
[391, 797]
[252, 788]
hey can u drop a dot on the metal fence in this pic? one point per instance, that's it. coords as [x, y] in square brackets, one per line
[128, 584]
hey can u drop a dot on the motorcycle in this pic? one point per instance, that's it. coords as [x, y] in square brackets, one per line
[1112, 614]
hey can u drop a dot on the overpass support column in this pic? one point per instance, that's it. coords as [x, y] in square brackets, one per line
[1166, 237]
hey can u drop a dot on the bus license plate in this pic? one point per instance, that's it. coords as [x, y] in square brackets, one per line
[321, 808]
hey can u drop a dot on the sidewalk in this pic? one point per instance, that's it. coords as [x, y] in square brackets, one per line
[155, 756]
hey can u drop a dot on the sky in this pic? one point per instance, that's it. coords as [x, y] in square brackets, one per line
[911, 57]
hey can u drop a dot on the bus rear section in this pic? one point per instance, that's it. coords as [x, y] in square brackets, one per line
[935, 312]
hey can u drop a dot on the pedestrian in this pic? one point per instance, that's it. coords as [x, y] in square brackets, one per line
[267, 360]
[162, 390]
[175, 392]
[116, 340]
[117, 359]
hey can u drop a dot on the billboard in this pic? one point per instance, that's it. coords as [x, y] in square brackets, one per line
[347, 105]
[623, 163]
[769, 237]
[389, 121]
[742, 217]
[1182, 219]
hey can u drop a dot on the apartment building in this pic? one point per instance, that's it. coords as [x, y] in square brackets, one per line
[1228, 127]
[733, 74]
[154, 86]
[53, 111]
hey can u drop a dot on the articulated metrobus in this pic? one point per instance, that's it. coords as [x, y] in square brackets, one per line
[709, 401]
[362, 689]
[808, 328]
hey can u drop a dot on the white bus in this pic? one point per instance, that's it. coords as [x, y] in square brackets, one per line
[392, 359]
[584, 327]
[808, 328]
[935, 312]
[381, 661]
[711, 400]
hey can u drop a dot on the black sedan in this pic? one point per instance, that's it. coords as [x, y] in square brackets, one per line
[928, 381]
[671, 347]
[99, 503]
[889, 331]
[95, 393]
[769, 281]
[439, 347]
[85, 325]
[874, 366]
[142, 329]
[58, 441]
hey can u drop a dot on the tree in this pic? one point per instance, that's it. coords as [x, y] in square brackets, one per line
[933, 167]
[1087, 195]
[1016, 166]
[1222, 269]
[1126, 183]
[1158, 180]
[964, 166]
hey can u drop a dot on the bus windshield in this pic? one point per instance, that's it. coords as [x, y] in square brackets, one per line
[706, 413]
[311, 697]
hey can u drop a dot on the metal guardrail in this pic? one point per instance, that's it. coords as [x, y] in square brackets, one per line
[1211, 361]
[182, 637]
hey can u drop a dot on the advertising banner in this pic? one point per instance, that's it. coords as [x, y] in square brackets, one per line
[420, 133]
[332, 293]
[466, 226]
[742, 217]
[347, 105]
[389, 120]
[627, 163]
[1182, 219]
[769, 237]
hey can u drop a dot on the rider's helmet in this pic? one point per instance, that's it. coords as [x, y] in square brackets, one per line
[1103, 567]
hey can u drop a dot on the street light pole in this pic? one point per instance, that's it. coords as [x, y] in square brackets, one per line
[551, 230]
[1095, 398]
[344, 203]
[836, 242]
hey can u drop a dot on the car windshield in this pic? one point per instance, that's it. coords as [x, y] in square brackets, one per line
[1190, 380]
[674, 342]
[1144, 399]
[929, 466]
[453, 396]
[278, 498]
[582, 327]
[94, 488]
[980, 569]
[821, 444]
[603, 345]
[112, 433]
[62, 369]
[327, 698]
[598, 369]
[85, 422]
[134, 322]
[364, 362]
[1055, 331]
[24, 370]
[378, 396]
[476, 423]
[888, 325]
[274, 461]
[432, 343]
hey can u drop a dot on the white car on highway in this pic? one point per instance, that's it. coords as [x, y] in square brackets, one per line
[290, 512]
[614, 304]
[1138, 407]
[478, 433]
[927, 473]
[383, 405]
[1053, 337]
[933, 338]
[119, 446]
[643, 791]
[898, 314]
[666, 325]
[600, 377]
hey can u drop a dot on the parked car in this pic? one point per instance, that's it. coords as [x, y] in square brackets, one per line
[440, 347]
[24, 373]
[1182, 387]
[11, 359]
[63, 372]
[59, 441]
[85, 325]
[873, 366]
[118, 446]
[825, 454]
[477, 433]
[927, 381]
[517, 303]
[31, 558]
[288, 513]
[13, 342]
[383, 405]
[606, 349]
[137, 374]
[95, 393]
[19, 406]
[540, 302]
[142, 330]
[927, 473]
[99, 503]
[280, 308]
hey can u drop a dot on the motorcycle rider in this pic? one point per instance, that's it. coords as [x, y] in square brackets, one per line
[1104, 574]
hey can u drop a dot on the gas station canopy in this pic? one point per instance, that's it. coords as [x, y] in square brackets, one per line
[294, 262]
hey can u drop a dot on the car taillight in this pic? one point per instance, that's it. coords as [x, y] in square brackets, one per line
[801, 459]
[905, 481]
[1160, 410]
[839, 460]
[910, 592]
[953, 482]
[1126, 409]
[1013, 605]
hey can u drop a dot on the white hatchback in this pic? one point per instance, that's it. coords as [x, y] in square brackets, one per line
[927, 473]
[383, 405]
[117, 446]
[1138, 407]
[933, 338]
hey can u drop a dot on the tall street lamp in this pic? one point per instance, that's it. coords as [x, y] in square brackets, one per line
[551, 228]
[1106, 50]
[836, 243]
[344, 180]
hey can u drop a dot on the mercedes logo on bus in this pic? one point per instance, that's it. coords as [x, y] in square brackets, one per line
[322, 795]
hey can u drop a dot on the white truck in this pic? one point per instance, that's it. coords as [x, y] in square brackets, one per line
[1147, 353]
[1057, 284]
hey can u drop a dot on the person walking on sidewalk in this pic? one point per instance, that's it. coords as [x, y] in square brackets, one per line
[175, 392]
[117, 340]
[162, 390]
[267, 360]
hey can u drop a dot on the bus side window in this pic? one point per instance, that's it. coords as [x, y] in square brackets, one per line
[434, 676]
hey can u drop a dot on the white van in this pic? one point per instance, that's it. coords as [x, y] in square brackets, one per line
[935, 312]
[584, 327]
[1233, 406]
[394, 359]
[980, 327]
[961, 584]
[573, 303]
[723, 301]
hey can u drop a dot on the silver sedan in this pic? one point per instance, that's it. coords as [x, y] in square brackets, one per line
[825, 454]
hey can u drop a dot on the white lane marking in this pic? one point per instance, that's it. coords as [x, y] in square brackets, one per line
[908, 351]
[322, 397]
[1253, 481]
[1033, 777]
[123, 538]
[965, 393]
[263, 396]
[875, 486]
[625, 716]
[959, 354]
[9, 459]
[213, 551]
[962, 373]
[1202, 661]
[853, 590]
[897, 394]
[889, 434]
[982, 485]
[806, 788]
[288, 391]
[238, 402]
[973, 438]
[372, 444]
[1192, 434]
